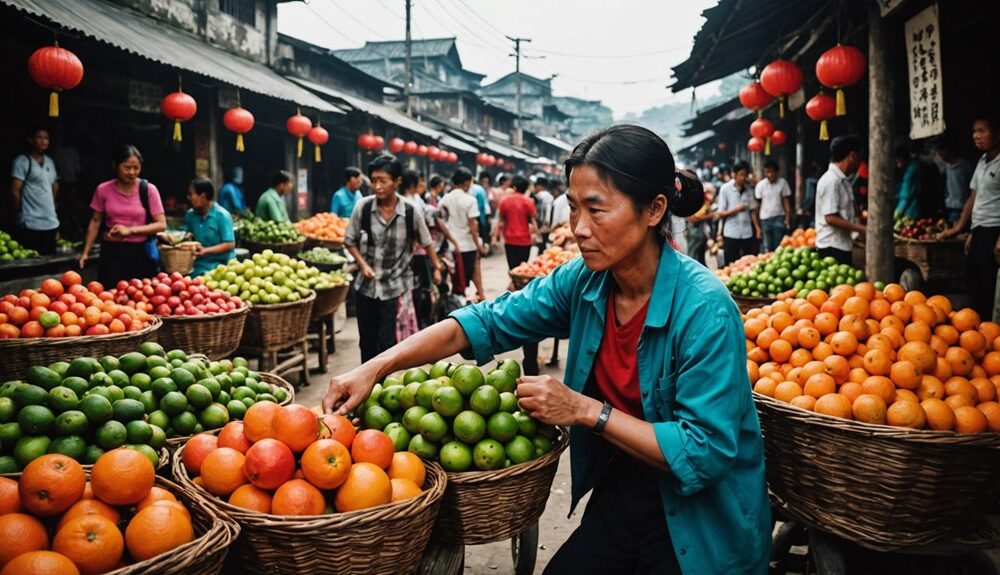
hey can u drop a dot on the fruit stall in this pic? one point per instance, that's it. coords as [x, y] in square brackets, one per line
[542, 265]
[921, 257]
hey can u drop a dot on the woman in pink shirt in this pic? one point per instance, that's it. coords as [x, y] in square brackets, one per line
[126, 220]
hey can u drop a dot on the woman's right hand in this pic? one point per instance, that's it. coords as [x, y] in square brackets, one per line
[348, 390]
[83, 260]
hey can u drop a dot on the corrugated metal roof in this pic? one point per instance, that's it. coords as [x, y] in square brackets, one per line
[504, 150]
[556, 142]
[395, 49]
[147, 38]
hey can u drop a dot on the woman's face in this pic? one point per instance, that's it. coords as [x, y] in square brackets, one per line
[128, 171]
[196, 200]
[607, 225]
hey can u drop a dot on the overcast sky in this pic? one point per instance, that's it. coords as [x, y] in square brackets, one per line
[616, 51]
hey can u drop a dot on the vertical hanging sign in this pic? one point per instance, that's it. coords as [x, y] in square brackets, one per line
[923, 58]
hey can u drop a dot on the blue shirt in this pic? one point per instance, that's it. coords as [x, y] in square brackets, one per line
[694, 388]
[38, 205]
[343, 200]
[908, 195]
[482, 201]
[231, 198]
[212, 229]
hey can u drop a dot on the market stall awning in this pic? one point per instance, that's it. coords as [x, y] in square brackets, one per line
[144, 37]
[556, 143]
[457, 145]
[502, 150]
[370, 107]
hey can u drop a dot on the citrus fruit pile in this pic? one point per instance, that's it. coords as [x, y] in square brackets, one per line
[457, 415]
[793, 270]
[87, 406]
[11, 250]
[324, 226]
[800, 238]
[878, 356]
[321, 255]
[270, 278]
[744, 264]
[52, 520]
[66, 308]
[543, 265]
[266, 231]
[174, 294]
[283, 461]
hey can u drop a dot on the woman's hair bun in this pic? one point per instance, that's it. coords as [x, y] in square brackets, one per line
[685, 200]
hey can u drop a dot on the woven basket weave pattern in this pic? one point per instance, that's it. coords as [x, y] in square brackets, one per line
[328, 300]
[291, 248]
[273, 327]
[217, 335]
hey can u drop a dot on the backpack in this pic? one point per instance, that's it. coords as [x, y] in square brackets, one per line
[410, 216]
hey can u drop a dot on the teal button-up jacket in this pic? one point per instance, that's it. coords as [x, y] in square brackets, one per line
[694, 388]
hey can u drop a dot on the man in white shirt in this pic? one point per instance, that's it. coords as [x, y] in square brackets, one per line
[463, 221]
[740, 228]
[775, 213]
[835, 211]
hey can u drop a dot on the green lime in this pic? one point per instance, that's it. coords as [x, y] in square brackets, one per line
[125, 410]
[236, 409]
[100, 379]
[71, 423]
[138, 431]
[184, 423]
[86, 366]
[422, 447]
[433, 426]
[36, 420]
[108, 363]
[425, 394]
[115, 393]
[469, 426]
[543, 445]
[175, 363]
[149, 348]
[212, 385]
[408, 396]
[141, 380]
[60, 367]
[240, 362]
[8, 409]
[488, 454]
[411, 418]
[10, 434]
[8, 464]
[448, 401]
[399, 435]
[158, 438]
[119, 377]
[389, 398]
[148, 451]
[502, 380]
[510, 366]
[111, 435]
[215, 368]
[182, 377]
[158, 372]
[267, 397]
[224, 381]
[237, 378]
[526, 426]
[97, 408]
[199, 396]
[455, 456]
[485, 400]
[162, 386]
[508, 402]
[415, 375]
[224, 398]
[280, 394]
[155, 361]
[29, 394]
[149, 401]
[8, 388]
[173, 403]
[467, 378]
[99, 391]
[77, 384]
[132, 392]
[377, 417]
[214, 416]
[132, 362]
[501, 426]
[244, 392]
[439, 369]
[69, 445]
[519, 450]
[176, 354]
[195, 368]
[248, 401]
[159, 418]
[92, 454]
[29, 448]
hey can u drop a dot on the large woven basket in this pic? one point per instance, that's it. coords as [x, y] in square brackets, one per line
[881, 487]
[328, 300]
[217, 335]
[177, 259]
[313, 241]
[20, 354]
[290, 248]
[385, 540]
[214, 533]
[746, 303]
[516, 498]
[276, 326]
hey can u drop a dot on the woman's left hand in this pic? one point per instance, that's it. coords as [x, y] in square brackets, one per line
[548, 400]
[119, 231]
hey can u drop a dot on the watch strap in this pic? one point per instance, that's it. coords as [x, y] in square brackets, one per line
[602, 419]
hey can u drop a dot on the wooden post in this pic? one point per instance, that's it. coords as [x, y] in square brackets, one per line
[878, 243]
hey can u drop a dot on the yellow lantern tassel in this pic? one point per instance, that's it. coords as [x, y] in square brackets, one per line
[824, 135]
[318, 158]
[841, 103]
[767, 147]
[300, 147]
[177, 131]
[54, 104]
[781, 107]
[239, 143]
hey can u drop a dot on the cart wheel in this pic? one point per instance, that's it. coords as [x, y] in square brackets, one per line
[911, 279]
[524, 550]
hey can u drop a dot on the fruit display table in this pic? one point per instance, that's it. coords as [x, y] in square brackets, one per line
[27, 273]
[919, 262]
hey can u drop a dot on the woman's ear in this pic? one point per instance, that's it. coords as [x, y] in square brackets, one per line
[657, 210]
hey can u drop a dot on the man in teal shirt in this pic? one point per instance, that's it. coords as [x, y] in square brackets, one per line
[231, 194]
[271, 205]
[211, 226]
[343, 200]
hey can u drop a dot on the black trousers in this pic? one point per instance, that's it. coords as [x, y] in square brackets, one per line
[842, 256]
[734, 249]
[981, 271]
[44, 242]
[422, 293]
[623, 529]
[376, 325]
[123, 261]
[517, 255]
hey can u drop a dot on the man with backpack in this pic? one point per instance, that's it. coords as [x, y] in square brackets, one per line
[34, 185]
[380, 237]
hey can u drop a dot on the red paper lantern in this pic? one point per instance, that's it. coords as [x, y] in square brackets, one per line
[318, 136]
[410, 148]
[779, 79]
[433, 152]
[491, 160]
[299, 126]
[755, 144]
[179, 107]
[778, 137]
[238, 120]
[452, 157]
[55, 69]
[838, 67]
[754, 97]
[421, 150]
[378, 143]
[480, 159]
[763, 128]
[821, 108]
[366, 141]
[396, 145]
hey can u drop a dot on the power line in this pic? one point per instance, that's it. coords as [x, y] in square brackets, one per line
[330, 25]
[389, 9]
[474, 33]
[358, 22]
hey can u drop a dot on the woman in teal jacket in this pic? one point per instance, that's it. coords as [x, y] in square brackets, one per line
[663, 426]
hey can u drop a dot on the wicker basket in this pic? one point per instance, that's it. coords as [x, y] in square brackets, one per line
[312, 241]
[177, 259]
[217, 335]
[746, 303]
[322, 266]
[276, 326]
[517, 497]
[881, 487]
[291, 248]
[520, 280]
[20, 354]
[388, 539]
[328, 300]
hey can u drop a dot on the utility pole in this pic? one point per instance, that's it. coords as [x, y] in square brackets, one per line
[409, 64]
[517, 76]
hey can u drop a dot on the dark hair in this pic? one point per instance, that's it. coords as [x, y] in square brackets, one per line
[842, 146]
[520, 184]
[639, 164]
[485, 175]
[351, 172]
[741, 166]
[991, 119]
[410, 179]
[33, 129]
[435, 181]
[124, 152]
[541, 181]
[771, 165]
[460, 176]
[385, 163]
[901, 152]
[501, 178]
[280, 177]
[203, 187]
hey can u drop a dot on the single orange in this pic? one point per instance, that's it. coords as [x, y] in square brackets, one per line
[40, 563]
[257, 420]
[196, 450]
[92, 542]
[403, 489]
[122, 477]
[834, 404]
[893, 292]
[956, 401]
[89, 507]
[925, 314]
[800, 357]
[20, 533]
[918, 331]
[819, 385]
[10, 499]
[942, 370]
[52, 483]
[155, 494]
[222, 471]
[844, 343]
[784, 391]
[298, 497]
[948, 333]
[869, 408]
[767, 337]
[854, 324]
[961, 386]
[970, 420]
[781, 350]
[366, 486]
[155, 530]
[906, 414]
[919, 354]
[232, 436]
[985, 390]
[881, 386]
[251, 497]
[878, 362]
[973, 341]
[991, 410]
[905, 395]
[765, 386]
[295, 426]
[753, 326]
[407, 465]
[325, 463]
[806, 402]
[991, 363]
[930, 387]
[965, 319]
[372, 446]
[990, 330]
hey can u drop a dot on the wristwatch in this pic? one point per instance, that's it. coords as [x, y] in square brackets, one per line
[602, 419]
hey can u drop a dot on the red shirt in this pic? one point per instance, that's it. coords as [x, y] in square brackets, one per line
[615, 371]
[516, 211]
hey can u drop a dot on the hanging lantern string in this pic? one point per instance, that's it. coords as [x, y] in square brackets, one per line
[178, 137]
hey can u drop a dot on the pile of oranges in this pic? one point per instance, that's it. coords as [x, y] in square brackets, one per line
[324, 226]
[547, 261]
[800, 238]
[53, 521]
[878, 356]
[286, 460]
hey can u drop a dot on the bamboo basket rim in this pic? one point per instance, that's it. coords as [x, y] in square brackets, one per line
[550, 458]
[274, 306]
[242, 310]
[327, 242]
[67, 342]
[281, 245]
[947, 241]
[861, 430]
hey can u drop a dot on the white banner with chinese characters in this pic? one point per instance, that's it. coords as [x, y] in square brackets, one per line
[923, 58]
